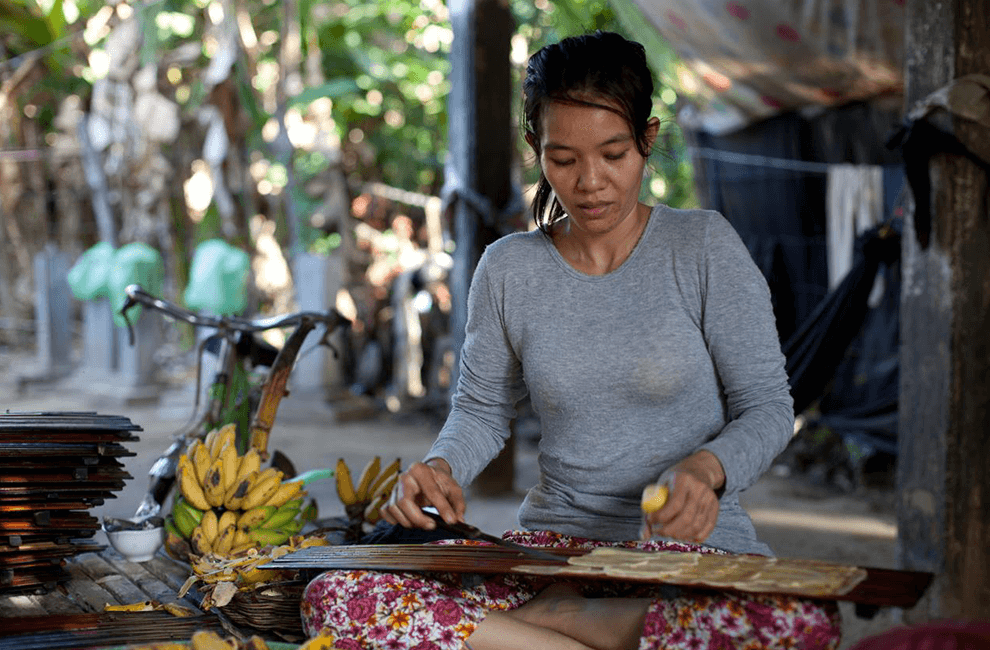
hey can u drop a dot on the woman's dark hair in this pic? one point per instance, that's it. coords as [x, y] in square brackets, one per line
[579, 70]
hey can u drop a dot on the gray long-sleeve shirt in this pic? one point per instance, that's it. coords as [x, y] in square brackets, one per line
[629, 372]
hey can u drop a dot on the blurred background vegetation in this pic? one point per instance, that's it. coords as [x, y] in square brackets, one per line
[359, 87]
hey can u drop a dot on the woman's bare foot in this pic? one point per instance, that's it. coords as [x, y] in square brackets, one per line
[602, 623]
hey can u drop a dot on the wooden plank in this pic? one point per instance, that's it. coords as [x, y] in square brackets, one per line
[57, 602]
[90, 596]
[148, 583]
[17, 606]
[944, 494]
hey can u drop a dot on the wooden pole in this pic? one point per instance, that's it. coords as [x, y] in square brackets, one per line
[481, 141]
[943, 468]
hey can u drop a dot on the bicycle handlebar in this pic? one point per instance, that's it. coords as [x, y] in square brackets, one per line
[136, 295]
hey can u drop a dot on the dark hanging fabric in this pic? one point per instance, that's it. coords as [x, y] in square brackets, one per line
[817, 349]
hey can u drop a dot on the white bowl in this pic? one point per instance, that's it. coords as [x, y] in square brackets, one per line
[137, 545]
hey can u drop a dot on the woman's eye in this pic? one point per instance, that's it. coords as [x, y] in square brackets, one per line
[615, 156]
[561, 163]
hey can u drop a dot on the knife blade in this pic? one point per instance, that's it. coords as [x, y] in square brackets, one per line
[471, 532]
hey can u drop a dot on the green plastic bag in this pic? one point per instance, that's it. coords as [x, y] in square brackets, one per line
[218, 279]
[135, 263]
[88, 276]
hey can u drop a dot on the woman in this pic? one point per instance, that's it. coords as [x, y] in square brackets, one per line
[646, 342]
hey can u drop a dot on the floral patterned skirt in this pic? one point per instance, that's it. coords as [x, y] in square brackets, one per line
[439, 611]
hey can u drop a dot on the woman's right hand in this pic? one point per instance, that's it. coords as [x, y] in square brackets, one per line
[421, 485]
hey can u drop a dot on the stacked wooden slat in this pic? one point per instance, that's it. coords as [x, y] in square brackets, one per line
[54, 467]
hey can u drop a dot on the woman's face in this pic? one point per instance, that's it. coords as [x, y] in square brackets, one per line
[589, 157]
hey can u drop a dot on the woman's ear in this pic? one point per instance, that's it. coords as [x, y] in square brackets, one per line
[652, 130]
[531, 141]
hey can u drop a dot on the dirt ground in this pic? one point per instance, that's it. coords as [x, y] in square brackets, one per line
[796, 518]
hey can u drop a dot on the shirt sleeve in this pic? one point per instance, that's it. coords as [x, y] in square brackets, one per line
[489, 384]
[741, 333]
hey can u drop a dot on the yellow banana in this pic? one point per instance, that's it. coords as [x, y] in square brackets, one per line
[233, 498]
[265, 475]
[231, 464]
[286, 492]
[262, 492]
[237, 549]
[392, 468]
[213, 485]
[321, 642]
[345, 486]
[225, 540]
[178, 610]
[241, 538]
[191, 490]
[254, 643]
[198, 542]
[385, 489]
[209, 525]
[201, 462]
[207, 640]
[368, 475]
[210, 439]
[254, 517]
[373, 512]
[228, 518]
[226, 434]
[142, 606]
[250, 462]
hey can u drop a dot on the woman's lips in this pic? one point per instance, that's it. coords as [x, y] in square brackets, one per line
[594, 209]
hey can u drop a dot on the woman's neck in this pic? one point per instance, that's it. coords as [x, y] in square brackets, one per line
[600, 253]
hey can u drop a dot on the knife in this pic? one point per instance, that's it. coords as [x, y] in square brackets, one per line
[471, 532]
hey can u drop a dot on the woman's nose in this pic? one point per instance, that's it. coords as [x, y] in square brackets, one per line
[590, 177]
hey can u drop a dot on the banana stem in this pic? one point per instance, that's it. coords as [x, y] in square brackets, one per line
[312, 475]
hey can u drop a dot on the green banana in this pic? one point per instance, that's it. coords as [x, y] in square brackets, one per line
[185, 522]
[282, 516]
[293, 526]
[171, 527]
[267, 536]
[255, 517]
[182, 504]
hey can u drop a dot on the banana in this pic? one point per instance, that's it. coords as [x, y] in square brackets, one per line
[207, 640]
[226, 434]
[234, 496]
[225, 540]
[191, 490]
[181, 504]
[321, 642]
[281, 517]
[210, 526]
[310, 512]
[250, 462]
[201, 462]
[285, 493]
[228, 518]
[184, 521]
[141, 606]
[231, 464]
[345, 486]
[241, 538]
[210, 438]
[213, 485]
[254, 643]
[266, 474]
[291, 527]
[391, 469]
[171, 527]
[368, 475]
[175, 609]
[251, 519]
[266, 536]
[385, 489]
[237, 549]
[261, 492]
[198, 542]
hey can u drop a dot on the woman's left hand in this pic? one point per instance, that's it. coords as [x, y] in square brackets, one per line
[691, 510]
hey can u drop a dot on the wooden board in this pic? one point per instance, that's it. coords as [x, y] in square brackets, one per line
[739, 573]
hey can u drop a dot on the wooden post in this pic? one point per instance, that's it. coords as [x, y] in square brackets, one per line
[943, 471]
[481, 142]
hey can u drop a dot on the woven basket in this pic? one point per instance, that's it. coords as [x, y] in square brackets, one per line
[272, 607]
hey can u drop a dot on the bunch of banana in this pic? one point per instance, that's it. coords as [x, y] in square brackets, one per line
[363, 501]
[227, 503]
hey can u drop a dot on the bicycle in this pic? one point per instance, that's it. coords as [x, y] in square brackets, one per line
[231, 398]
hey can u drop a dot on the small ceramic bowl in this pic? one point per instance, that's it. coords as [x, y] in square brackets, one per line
[137, 545]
